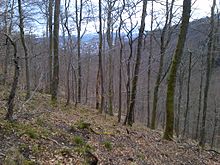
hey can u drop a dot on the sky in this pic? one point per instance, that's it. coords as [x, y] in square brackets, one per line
[200, 8]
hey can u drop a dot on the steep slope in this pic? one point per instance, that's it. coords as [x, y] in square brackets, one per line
[47, 134]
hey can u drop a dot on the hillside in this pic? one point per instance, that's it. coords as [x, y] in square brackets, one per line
[47, 134]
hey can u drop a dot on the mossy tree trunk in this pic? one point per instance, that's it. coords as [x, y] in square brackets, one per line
[168, 134]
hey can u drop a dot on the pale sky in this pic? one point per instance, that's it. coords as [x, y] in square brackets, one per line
[200, 8]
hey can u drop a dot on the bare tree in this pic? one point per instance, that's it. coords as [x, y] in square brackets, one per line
[100, 79]
[56, 52]
[164, 41]
[109, 32]
[21, 26]
[50, 26]
[10, 102]
[208, 74]
[168, 134]
[137, 65]
[120, 60]
[186, 115]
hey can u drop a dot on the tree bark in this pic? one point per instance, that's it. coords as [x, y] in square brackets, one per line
[168, 134]
[10, 102]
[56, 52]
[186, 115]
[100, 68]
[21, 26]
[50, 62]
[137, 64]
[208, 76]
[164, 41]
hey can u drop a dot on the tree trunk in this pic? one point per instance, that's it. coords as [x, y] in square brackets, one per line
[164, 41]
[78, 25]
[208, 76]
[137, 65]
[186, 115]
[50, 25]
[200, 103]
[149, 64]
[21, 26]
[120, 65]
[100, 69]
[56, 52]
[168, 134]
[177, 116]
[110, 46]
[10, 102]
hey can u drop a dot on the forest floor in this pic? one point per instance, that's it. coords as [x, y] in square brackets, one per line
[53, 135]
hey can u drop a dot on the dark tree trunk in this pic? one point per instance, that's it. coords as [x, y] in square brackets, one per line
[10, 102]
[137, 65]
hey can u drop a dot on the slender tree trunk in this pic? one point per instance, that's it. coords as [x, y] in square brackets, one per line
[163, 46]
[177, 116]
[168, 134]
[137, 64]
[98, 98]
[186, 115]
[21, 26]
[100, 72]
[208, 76]
[50, 25]
[120, 65]
[215, 125]
[56, 51]
[200, 103]
[10, 102]
[78, 25]
[149, 64]
[110, 46]
[7, 52]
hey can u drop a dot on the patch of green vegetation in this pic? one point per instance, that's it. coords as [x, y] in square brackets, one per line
[107, 145]
[32, 133]
[78, 141]
[82, 124]
[83, 149]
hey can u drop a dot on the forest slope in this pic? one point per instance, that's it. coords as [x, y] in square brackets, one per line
[47, 134]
